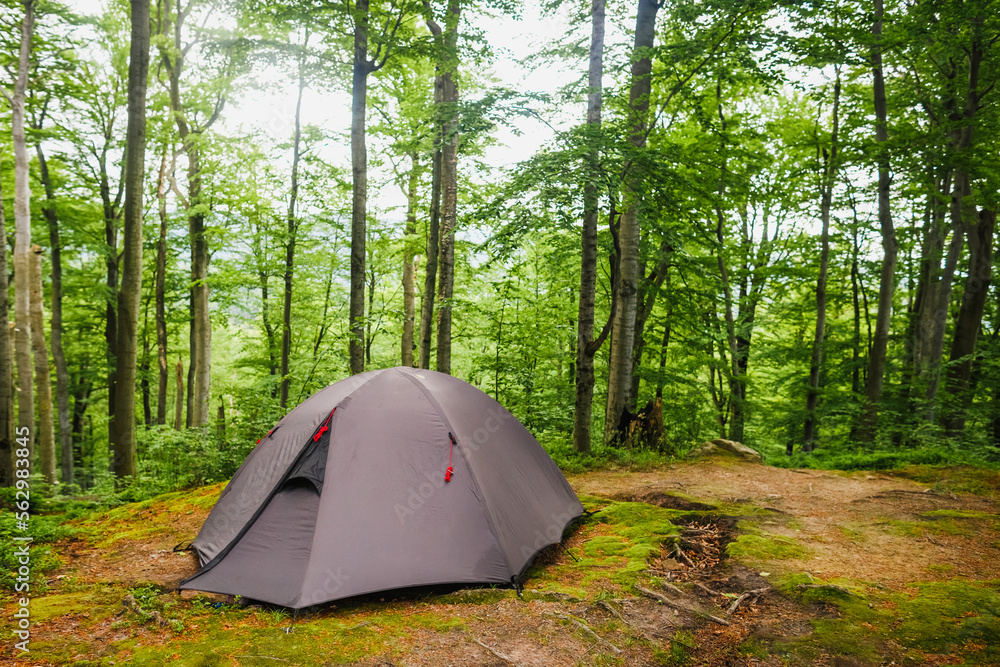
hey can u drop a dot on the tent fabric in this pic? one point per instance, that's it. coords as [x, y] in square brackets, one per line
[347, 495]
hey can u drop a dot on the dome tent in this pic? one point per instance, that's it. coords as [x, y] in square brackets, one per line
[388, 479]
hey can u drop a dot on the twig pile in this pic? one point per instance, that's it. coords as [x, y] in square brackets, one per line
[698, 548]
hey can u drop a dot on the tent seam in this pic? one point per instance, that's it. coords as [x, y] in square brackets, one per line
[475, 480]
[270, 496]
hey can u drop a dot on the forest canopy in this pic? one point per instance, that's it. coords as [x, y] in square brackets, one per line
[766, 222]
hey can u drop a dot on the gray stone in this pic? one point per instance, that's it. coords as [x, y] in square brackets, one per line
[721, 447]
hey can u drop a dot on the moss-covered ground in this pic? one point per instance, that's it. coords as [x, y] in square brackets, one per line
[824, 569]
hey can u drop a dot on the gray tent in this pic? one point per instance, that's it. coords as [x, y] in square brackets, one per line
[388, 479]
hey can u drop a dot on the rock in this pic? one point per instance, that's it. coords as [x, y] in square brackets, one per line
[720, 447]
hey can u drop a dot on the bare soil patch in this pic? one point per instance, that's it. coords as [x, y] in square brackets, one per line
[862, 526]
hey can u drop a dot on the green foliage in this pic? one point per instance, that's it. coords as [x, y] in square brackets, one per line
[44, 531]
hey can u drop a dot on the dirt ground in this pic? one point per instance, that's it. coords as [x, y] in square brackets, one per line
[860, 527]
[841, 517]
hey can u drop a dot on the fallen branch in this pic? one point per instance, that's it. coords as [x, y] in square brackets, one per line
[358, 625]
[756, 593]
[621, 617]
[672, 588]
[680, 607]
[498, 654]
[707, 589]
[660, 573]
[583, 626]
[614, 612]
[683, 556]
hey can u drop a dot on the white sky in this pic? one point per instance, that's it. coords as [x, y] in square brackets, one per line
[272, 112]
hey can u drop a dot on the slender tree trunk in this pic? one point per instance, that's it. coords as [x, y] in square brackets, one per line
[201, 355]
[880, 340]
[58, 356]
[431, 265]
[147, 413]
[661, 380]
[623, 335]
[649, 290]
[6, 365]
[22, 238]
[265, 316]
[43, 389]
[409, 268]
[160, 296]
[189, 395]
[293, 228]
[200, 367]
[819, 337]
[81, 389]
[941, 304]
[123, 424]
[359, 202]
[583, 409]
[969, 320]
[449, 186]
[736, 378]
[110, 309]
[179, 401]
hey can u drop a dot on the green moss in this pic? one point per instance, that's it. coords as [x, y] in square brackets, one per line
[955, 479]
[943, 618]
[139, 520]
[758, 546]
[921, 528]
[960, 514]
[852, 533]
[331, 640]
[605, 545]
[53, 606]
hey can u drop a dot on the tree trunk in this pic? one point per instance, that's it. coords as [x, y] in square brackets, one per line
[737, 379]
[359, 201]
[265, 316]
[189, 396]
[22, 239]
[200, 368]
[58, 356]
[934, 294]
[431, 265]
[201, 355]
[649, 290]
[937, 320]
[819, 337]
[6, 366]
[293, 228]
[123, 424]
[409, 267]
[43, 389]
[969, 320]
[661, 380]
[82, 388]
[160, 296]
[880, 340]
[623, 334]
[449, 186]
[179, 401]
[583, 409]
[147, 413]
